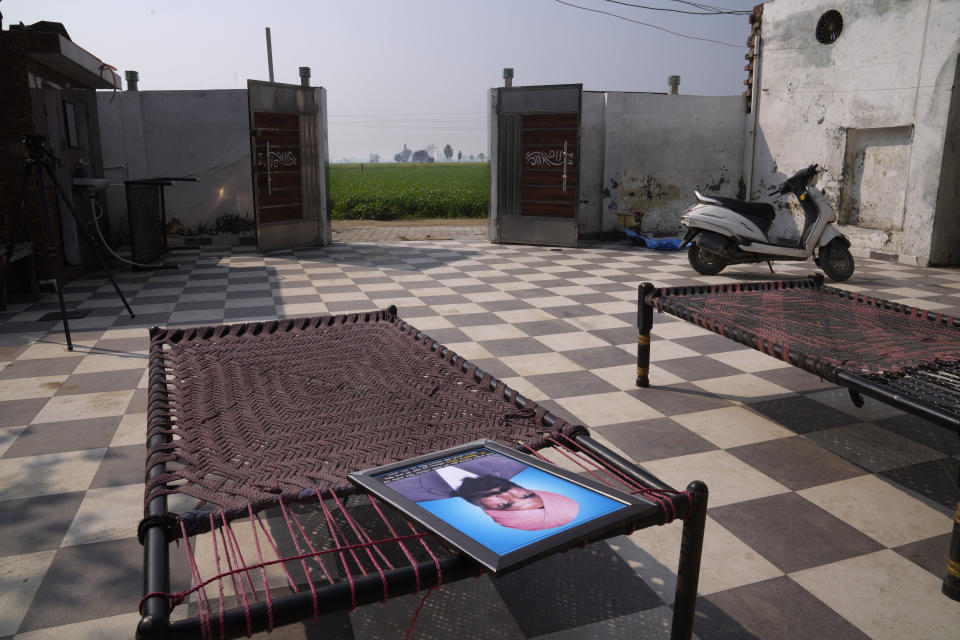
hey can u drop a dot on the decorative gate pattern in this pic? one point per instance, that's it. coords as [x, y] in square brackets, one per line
[276, 140]
[548, 175]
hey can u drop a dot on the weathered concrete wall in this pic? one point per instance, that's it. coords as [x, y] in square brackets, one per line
[592, 147]
[946, 228]
[205, 134]
[871, 108]
[660, 148]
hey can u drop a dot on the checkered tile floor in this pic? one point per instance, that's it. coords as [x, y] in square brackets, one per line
[826, 521]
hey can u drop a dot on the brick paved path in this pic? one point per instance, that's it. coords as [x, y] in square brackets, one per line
[369, 231]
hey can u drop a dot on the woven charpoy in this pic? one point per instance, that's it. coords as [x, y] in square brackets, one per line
[255, 412]
[819, 328]
[936, 384]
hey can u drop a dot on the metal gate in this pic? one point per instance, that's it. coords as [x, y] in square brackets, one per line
[538, 164]
[288, 155]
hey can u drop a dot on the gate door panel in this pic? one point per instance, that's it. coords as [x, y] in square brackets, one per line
[276, 139]
[538, 164]
[288, 156]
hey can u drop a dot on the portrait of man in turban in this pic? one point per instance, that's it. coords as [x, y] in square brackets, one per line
[485, 482]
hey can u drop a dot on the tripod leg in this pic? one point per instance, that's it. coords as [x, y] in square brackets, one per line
[55, 259]
[94, 243]
[14, 225]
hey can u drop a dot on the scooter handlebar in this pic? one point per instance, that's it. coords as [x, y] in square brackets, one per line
[797, 181]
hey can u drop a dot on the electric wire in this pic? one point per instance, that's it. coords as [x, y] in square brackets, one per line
[712, 7]
[707, 10]
[652, 26]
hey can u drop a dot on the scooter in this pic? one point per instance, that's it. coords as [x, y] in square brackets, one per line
[724, 231]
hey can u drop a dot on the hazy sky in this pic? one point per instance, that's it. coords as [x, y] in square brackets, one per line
[412, 72]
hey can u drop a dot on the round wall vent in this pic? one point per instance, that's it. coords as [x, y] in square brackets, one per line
[829, 27]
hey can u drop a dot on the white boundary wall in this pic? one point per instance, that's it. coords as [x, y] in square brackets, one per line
[206, 134]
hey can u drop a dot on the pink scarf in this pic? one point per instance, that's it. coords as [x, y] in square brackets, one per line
[557, 510]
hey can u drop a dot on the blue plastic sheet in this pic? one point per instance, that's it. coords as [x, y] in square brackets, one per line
[663, 244]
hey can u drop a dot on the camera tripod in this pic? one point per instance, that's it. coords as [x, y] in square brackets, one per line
[39, 160]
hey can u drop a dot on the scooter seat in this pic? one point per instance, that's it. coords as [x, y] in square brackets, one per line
[760, 213]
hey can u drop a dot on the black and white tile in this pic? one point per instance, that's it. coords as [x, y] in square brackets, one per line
[825, 520]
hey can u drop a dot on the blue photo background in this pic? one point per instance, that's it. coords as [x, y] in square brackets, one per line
[471, 519]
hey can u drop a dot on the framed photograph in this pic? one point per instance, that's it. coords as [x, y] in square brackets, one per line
[499, 506]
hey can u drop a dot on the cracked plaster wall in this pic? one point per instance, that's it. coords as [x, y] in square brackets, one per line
[656, 150]
[892, 68]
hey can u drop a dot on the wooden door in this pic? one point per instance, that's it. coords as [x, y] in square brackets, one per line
[288, 149]
[276, 143]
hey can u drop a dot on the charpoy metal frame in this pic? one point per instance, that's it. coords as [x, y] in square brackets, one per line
[903, 356]
[167, 418]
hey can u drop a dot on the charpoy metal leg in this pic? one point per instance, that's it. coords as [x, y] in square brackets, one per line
[644, 324]
[951, 582]
[154, 533]
[688, 570]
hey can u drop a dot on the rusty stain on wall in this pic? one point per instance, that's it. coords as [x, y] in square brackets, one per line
[717, 184]
[646, 192]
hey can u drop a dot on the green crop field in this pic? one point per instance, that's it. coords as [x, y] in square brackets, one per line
[393, 191]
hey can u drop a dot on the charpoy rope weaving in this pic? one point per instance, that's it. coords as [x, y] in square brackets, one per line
[818, 328]
[903, 356]
[255, 413]
[259, 425]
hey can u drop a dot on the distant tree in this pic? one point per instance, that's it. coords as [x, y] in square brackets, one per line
[433, 150]
[459, 156]
[374, 158]
[404, 155]
[481, 157]
[471, 158]
[421, 155]
[448, 152]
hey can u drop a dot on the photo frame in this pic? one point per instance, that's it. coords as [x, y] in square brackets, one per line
[503, 508]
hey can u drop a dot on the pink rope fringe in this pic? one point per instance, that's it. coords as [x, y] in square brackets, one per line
[352, 547]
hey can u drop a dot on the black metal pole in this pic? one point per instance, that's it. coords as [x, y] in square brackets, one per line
[951, 582]
[156, 553]
[688, 569]
[644, 325]
[53, 255]
[94, 243]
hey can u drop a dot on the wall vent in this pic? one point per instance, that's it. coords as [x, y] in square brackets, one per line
[829, 27]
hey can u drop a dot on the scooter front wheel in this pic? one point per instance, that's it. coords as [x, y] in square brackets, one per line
[836, 261]
[705, 262]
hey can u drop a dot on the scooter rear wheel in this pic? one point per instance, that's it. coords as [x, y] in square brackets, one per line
[705, 262]
[836, 261]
